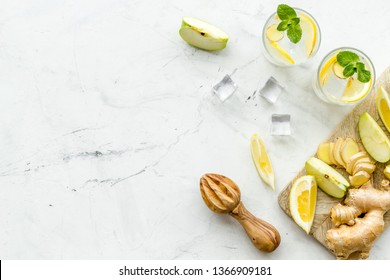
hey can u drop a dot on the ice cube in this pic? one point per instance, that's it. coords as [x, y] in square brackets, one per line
[225, 88]
[280, 124]
[271, 90]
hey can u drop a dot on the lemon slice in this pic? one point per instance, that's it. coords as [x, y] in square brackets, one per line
[355, 90]
[326, 70]
[309, 28]
[273, 34]
[383, 107]
[261, 161]
[282, 53]
[303, 199]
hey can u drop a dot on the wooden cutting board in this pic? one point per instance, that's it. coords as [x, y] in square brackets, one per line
[347, 128]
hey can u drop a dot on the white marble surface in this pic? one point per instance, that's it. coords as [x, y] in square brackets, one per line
[106, 126]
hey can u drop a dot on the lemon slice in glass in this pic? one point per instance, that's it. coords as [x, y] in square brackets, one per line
[281, 53]
[309, 28]
[326, 71]
[355, 90]
[383, 106]
[262, 161]
[303, 199]
[274, 35]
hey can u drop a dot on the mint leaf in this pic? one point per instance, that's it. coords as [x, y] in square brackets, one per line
[283, 25]
[289, 22]
[346, 57]
[350, 62]
[294, 33]
[295, 20]
[349, 70]
[360, 66]
[364, 75]
[286, 12]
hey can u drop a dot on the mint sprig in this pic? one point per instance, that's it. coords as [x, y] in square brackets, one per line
[290, 22]
[351, 63]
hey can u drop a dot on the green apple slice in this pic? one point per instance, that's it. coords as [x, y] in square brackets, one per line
[373, 138]
[202, 35]
[327, 178]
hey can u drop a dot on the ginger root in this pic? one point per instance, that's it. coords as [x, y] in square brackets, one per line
[359, 221]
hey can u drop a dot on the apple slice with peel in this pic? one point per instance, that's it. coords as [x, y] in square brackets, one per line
[359, 178]
[323, 152]
[327, 178]
[373, 138]
[348, 149]
[202, 35]
[353, 159]
[337, 152]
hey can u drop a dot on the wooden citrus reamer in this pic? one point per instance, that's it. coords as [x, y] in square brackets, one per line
[223, 196]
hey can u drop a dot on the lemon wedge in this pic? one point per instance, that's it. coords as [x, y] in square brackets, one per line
[383, 106]
[303, 199]
[326, 70]
[309, 28]
[282, 53]
[355, 90]
[262, 161]
[273, 34]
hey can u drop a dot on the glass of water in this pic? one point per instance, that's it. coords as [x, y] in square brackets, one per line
[280, 51]
[347, 83]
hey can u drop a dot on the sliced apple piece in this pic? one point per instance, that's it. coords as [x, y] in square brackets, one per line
[353, 159]
[323, 152]
[337, 152]
[386, 171]
[359, 178]
[348, 149]
[202, 35]
[368, 167]
[327, 178]
[273, 34]
[373, 138]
